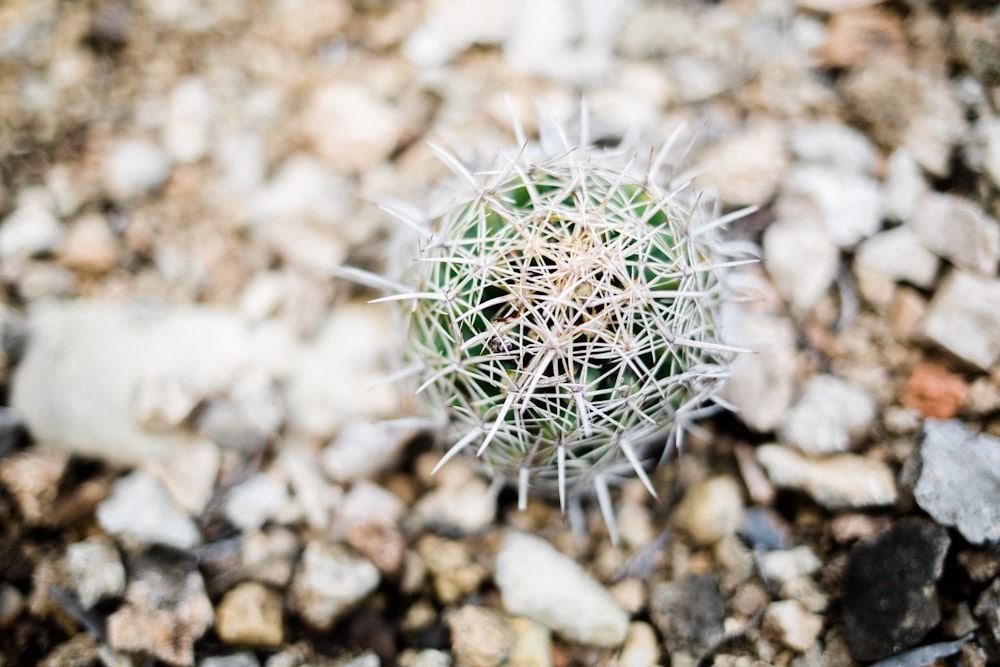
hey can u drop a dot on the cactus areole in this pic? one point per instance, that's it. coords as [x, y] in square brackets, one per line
[562, 315]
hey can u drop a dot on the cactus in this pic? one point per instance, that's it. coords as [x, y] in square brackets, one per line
[562, 313]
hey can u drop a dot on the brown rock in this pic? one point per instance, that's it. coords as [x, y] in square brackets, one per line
[250, 614]
[90, 246]
[381, 543]
[862, 35]
[480, 637]
[934, 391]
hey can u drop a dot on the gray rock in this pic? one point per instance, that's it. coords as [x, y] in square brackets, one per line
[362, 449]
[688, 612]
[249, 505]
[958, 230]
[329, 581]
[242, 659]
[837, 482]
[890, 598]
[958, 480]
[140, 508]
[96, 569]
[847, 203]
[964, 318]
[134, 168]
[830, 416]
[833, 144]
[802, 260]
[32, 228]
[269, 557]
[537, 581]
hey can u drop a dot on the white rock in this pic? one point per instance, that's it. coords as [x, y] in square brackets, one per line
[830, 416]
[959, 231]
[784, 565]
[642, 647]
[352, 128]
[792, 624]
[329, 581]
[30, 229]
[336, 378]
[537, 581]
[362, 449]
[837, 482]
[847, 203]
[367, 502]
[239, 156]
[96, 569]
[250, 504]
[903, 187]
[190, 476]
[90, 246]
[310, 491]
[451, 26]
[711, 510]
[467, 506]
[263, 295]
[187, 132]
[241, 659]
[802, 259]
[964, 318]
[746, 168]
[988, 136]
[195, 15]
[133, 168]
[141, 509]
[898, 256]
[834, 145]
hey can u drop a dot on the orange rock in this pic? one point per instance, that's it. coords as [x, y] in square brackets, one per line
[934, 391]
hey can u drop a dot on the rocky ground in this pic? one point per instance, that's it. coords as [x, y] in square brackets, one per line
[198, 464]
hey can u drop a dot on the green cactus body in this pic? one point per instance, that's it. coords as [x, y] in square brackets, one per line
[563, 315]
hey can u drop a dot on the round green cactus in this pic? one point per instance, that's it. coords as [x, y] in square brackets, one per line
[562, 314]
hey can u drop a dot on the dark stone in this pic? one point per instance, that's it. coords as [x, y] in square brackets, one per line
[689, 613]
[890, 598]
[987, 610]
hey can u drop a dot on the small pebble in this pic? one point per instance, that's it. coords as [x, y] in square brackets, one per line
[964, 318]
[934, 391]
[711, 510]
[89, 246]
[688, 612]
[642, 647]
[134, 168]
[96, 569]
[480, 637]
[785, 565]
[802, 259]
[329, 581]
[454, 573]
[249, 505]
[830, 416]
[29, 230]
[959, 231]
[160, 521]
[251, 615]
[792, 624]
[243, 659]
[269, 556]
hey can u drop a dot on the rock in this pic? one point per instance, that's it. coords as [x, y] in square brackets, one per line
[190, 478]
[427, 657]
[988, 137]
[380, 542]
[711, 510]
[435, 41]
[988, 609]
[32, 228]
[890, 598]
[455, 575]
[251, 615]
[802, 260]
[141, 509]
[537, 581]
[746, 168]
[761, 384]
[898, 255]
[480, 637]
[33, 477]
[134, 168]
[642, 647]
[903, 188]
[367, 502]
[187, 132]
[846, 203]
[329, 581]
[353, 343]
[964, 318]
[312, 494]
[197, 16]
[836, 482]
[81, 392]
[959, 231]
[958, 480]
[96, 569]
[906, 108]
[688, 612]
[352, 128]
[269, 557]
[859, 36]
[166, 610]
[464, 505]
[835, 145]
[934, 391]
[532, 645]
[250, 504]
[363, 448]
[784, 565]
[242, 659]
[792, 624]
[11, 604]
[89, 246]
[830, 416]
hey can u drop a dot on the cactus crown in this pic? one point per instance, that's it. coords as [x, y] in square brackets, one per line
[562, 313]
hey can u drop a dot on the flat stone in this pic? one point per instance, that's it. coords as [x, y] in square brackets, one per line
[847, 203]
[252, 615]
[711, 510]
[537, 581]
[836, 482]
[802, 259]
[958, 230]
[329, 581]
[964, 318]
[96, 569]
[140, 508]
[890, 597]
[958, 480]
[830, 416]
[688, 612]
